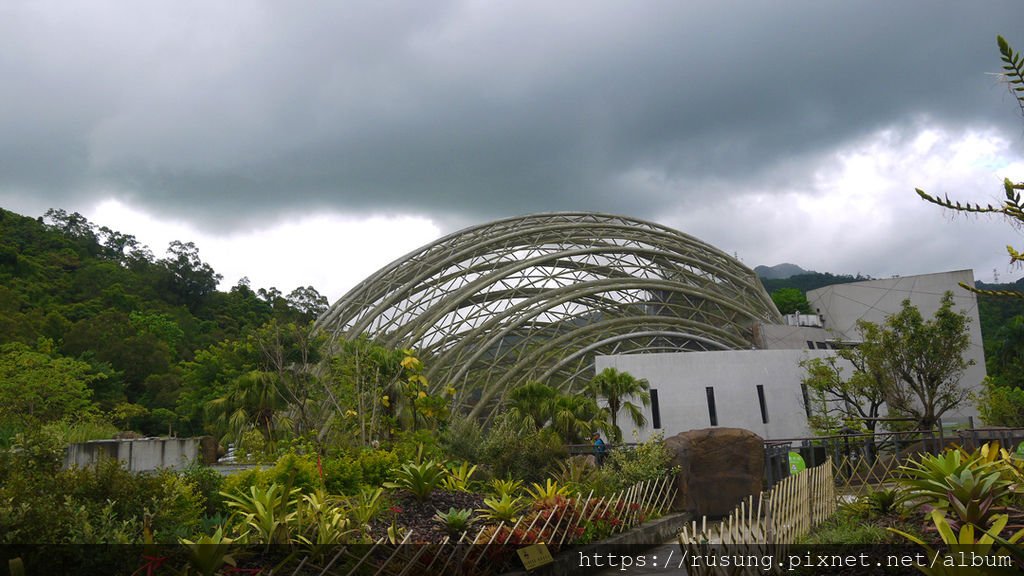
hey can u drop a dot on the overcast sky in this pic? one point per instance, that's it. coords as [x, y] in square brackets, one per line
[306, 143]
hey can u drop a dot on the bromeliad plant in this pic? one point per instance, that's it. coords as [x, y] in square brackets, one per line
[419, 479]
[509, 487]
[966, 542]
[455, 521]
[970, 485]
[458, 477]
[503, 509]
[265, 512]
[548, 493]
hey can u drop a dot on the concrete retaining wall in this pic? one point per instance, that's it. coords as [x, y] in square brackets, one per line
[143, 454]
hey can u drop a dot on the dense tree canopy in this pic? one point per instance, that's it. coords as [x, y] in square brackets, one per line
[137, 332]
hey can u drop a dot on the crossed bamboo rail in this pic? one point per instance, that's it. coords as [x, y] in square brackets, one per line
[491, 549]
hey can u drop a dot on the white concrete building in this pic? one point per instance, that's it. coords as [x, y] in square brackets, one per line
[760, 389]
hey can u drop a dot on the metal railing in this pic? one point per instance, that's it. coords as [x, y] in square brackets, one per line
[861, 460]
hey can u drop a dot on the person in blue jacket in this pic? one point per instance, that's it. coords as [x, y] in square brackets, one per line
[600, 448]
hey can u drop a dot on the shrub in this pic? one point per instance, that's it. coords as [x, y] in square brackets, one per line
[971, 485]
[106, 504]
[648, 461]
[462, 439]
[208, 484]
[511, 450]
[581, 475]
[377, 466]
[342, 475]
[295, 471]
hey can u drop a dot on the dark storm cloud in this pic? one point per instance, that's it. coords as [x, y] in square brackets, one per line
[466, 110]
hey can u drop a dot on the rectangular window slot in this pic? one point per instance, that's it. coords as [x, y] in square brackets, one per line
[712, 413]
[807, 399]
[764, 407]
[655, 410]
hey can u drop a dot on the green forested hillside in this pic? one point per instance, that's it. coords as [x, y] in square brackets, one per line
[92, 322]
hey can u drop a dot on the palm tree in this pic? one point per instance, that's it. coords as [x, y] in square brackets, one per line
[617, 388]
[254, 401]
[575, 417]
[531, 404]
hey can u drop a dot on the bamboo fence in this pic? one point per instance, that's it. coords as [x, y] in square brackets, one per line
[764, 524]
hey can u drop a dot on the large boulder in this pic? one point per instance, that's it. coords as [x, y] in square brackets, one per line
[719, 467]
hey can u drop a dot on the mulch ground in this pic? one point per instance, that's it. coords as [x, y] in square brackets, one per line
[418, 516]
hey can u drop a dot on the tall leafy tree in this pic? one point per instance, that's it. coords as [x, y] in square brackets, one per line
[926, 360]
[790, 300]
[37, 385]
[191, 279]
[855, 400]
[911, 364]
[619, 389]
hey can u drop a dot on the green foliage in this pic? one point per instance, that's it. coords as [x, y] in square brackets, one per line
[581, 475]
[1000, 405]
[809, 281]
[342, 475]
[208, 484]
[291, 470]
[419, 479]
[911, 364]
[455, 521]
[324, 520]
[365, 506]
[549, 491]
[926, 357]
[839, 401]
[884, 501]
[512, 450]
[107, 504]
[791, 300]
[847, 528]
[967, 541]
[462, 438]
[649, 460]
[38, 386]
[81, 428]
[208, 554]
[378, 466]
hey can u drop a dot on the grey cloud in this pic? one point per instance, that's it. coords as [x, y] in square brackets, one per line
[234, 114]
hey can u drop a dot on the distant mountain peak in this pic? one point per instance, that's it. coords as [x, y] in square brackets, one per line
[779, 271]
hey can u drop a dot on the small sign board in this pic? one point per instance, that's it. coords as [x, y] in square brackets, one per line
[534, 556]
[796, 463]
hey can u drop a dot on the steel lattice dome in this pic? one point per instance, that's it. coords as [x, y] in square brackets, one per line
[537, 297]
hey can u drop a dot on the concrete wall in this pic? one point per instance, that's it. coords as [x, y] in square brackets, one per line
[141, 454]
[682, 378]
[874, 300]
